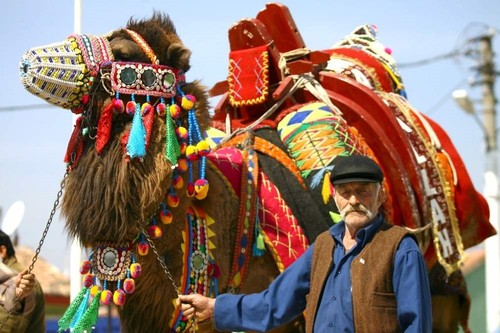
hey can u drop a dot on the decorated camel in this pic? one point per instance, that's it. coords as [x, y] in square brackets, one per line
[172, 200]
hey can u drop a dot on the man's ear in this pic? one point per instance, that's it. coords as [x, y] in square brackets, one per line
[382, 195]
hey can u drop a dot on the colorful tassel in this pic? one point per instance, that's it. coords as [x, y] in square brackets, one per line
[89, 319]
[104, 127]
[70, 312]
[259, 247]
[172, 150]
[74, 151]
[136, 145]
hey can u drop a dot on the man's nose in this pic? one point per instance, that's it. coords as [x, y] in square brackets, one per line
[353, 199]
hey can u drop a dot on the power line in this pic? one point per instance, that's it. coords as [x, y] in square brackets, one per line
[427, 61]
[25, 107]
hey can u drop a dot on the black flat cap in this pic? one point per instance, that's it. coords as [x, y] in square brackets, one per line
[355, 168]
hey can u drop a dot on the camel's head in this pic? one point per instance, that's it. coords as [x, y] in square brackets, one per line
[138, 136]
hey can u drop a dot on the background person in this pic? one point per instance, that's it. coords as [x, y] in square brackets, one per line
[27, 313]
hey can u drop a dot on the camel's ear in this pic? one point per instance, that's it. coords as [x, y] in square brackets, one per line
[179, 56]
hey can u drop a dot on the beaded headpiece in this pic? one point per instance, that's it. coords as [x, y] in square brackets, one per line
[62, 73]
[365, 38]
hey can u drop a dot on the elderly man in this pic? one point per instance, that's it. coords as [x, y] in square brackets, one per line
[362, 275]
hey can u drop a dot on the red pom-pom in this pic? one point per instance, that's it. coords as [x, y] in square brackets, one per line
[160, 109]
[155, 231]
[172, 200]
[129, 286]
[143, 248]
[183, 146]
[85, 267]
[135, 270]
[190, 191]
[177, 182]
[88, 280]
[130, 108]
[85, 99]
[213, 270]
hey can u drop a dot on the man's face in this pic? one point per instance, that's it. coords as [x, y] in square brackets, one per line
[358, 202]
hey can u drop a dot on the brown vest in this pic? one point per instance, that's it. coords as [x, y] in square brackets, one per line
[374, 302]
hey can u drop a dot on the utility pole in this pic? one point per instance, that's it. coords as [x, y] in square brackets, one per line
[491, 183]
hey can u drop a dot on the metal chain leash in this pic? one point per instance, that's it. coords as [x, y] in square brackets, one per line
[40, 243]
[158, 257]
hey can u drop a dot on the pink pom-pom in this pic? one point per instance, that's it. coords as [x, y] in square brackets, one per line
[85, 267]
[106, 297]
[166, 216]
[388, 50]
[129, 286]
[135, 270]
[143, 248]
[88, 280]
[119, 297]
[118, 105]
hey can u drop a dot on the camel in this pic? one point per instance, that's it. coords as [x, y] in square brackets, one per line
[173, 200]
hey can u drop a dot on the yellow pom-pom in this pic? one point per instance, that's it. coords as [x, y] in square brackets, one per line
[201, 189]
[106, 297]
[188, 102]
[94, 290]
[203, 148]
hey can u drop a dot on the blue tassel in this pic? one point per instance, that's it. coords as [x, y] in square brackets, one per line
[136, 145]
[81, 310]
[316, 179]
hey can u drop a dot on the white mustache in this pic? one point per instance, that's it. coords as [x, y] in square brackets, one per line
[359, 208]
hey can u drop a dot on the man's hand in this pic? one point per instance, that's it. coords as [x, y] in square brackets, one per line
[25, 283]
[199, 306]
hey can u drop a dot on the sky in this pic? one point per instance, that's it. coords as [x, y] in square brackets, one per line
[33, 140]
